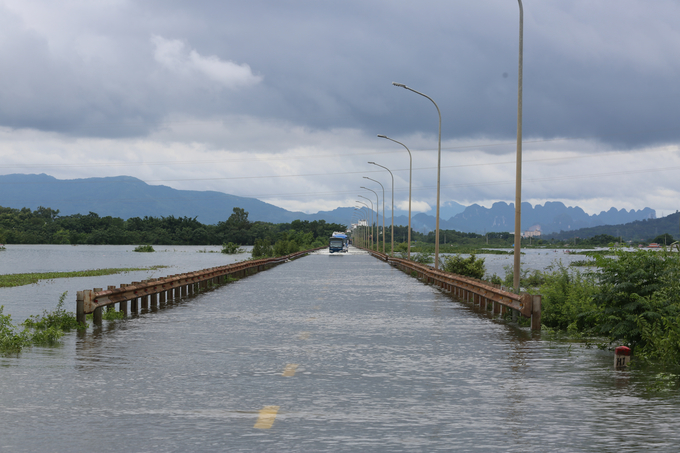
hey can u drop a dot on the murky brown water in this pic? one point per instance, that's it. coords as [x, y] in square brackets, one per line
[376, 361]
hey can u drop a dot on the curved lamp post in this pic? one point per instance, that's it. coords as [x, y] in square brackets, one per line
[383, 230]
[518, 171]
[410, 179]
[439, 168]
[371, 214]
[392, 230]
[371, 241]
[377, 215]
[365, 217]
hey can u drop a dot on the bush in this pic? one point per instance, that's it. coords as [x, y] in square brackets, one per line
[59, 319]
[231, 249]
[567, 302]
[635, 293]
[262, 249]
[422, 257]
[144, 248]
[11, 342]
[468, 267]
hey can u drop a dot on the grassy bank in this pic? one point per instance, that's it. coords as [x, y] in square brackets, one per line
[9, 280]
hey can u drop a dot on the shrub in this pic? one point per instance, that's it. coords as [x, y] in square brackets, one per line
[262, 248]
[231, 249]
[468, 267]
[634, 294]
[567, 302]
[422, 257]
[144, 248]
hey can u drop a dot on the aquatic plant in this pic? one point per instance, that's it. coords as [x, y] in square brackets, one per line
[144, 248]
[58, 318]
[231, 249]
[11, 341]
[10, 280]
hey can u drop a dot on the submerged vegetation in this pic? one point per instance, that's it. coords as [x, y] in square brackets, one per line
[45, 329]
[9, 280]
[231, 249]
[630, 298]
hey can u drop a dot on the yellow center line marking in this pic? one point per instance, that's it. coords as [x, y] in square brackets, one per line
[267, 417]
[290, 369]
[304, 336]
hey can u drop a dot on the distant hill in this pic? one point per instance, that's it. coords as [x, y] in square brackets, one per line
[125, 197]
[639, 230]
[552, 217]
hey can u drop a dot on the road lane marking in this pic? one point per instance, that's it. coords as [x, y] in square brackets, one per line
[290, 369]
[267, 417]
[304, 336]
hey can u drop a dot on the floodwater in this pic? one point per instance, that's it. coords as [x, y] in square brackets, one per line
[324, 353]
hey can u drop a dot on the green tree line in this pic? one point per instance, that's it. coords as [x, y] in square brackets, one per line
[46, 226]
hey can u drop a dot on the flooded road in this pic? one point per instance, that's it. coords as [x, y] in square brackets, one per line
[325, 353]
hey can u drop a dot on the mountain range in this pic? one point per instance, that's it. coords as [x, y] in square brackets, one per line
[126, 197]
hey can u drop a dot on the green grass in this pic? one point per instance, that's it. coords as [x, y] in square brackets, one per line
[9, 280]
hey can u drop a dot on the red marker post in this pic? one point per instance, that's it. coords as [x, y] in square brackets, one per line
[621, 357]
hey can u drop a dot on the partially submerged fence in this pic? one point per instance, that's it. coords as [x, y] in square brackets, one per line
[160, 290]
[472, 290]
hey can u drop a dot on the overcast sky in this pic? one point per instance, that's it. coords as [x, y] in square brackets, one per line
[282, 100]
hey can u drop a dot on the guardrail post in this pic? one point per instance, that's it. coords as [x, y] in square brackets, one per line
[97, 313]
[80, 307]
[536, 312]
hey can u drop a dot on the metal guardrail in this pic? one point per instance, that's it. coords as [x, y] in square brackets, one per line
[173, 286]
[478, 292]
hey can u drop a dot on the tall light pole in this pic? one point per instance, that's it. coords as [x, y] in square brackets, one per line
[518, 172]
[371, 214]
[371, 243]
[365, 214]
[383, 230]
[377, 215]
[392, 230]
[410, 179]
[439, 168]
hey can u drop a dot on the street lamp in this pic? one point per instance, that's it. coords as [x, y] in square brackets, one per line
[518, 171]
[383, 230]
[392, 233]
[365, 214]
[371, 242]
[377, 215]
[371, 214]
[410, 179]
[439, 167]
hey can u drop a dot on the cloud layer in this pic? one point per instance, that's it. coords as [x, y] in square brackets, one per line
[294, 93]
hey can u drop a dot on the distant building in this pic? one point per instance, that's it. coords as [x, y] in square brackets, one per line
[532, 232]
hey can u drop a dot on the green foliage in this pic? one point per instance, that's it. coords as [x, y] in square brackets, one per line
[231, 249]
[110, 314]
[468, 267]
[144, 248]
[9, 280]
[262, 249]
[45, 226]
[11, 341]
[632, 291]
[567, 302]
[38, 330]
[422, 257]
[663, 239]
[58, 319]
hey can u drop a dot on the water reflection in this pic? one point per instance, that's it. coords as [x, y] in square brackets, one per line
[385, 363]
